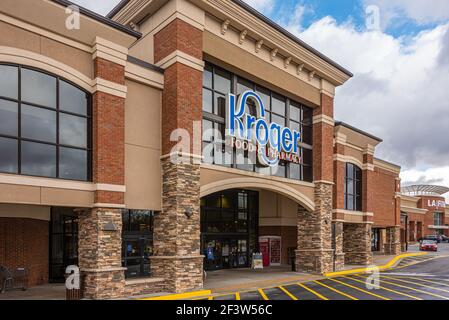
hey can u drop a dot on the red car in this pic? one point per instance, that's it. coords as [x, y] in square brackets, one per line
[428, 245]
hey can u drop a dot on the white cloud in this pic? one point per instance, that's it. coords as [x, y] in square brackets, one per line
[437, 176]
[421, 11]
[100, 6]
[399, 91]
[264, 6]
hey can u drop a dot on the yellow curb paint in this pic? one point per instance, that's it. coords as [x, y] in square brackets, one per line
[312, 291]
[391, 263]
[386, 289]
[264, 296]
[335, 290]
[288, 293]
[359, 289]
[237, 296]
[181, 296]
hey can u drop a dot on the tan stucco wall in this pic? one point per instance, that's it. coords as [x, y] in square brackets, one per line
[276, 210]
[16, 37]
[24, 211]
[142, 147]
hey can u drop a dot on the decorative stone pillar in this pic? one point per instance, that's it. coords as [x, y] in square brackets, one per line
[337, 245]
[100, 255]
[178, 50]
[357, 243]
[100, 228]
[393, 243]
[315, 253]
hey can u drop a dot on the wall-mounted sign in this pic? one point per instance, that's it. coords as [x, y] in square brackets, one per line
[270, 141]
[436, 203]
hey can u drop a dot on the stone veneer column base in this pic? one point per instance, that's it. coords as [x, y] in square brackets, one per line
[314, 261]
[181, 274]
[315, 253]
[100, 252]
[357, 243]
[393, 243]
[337, 243]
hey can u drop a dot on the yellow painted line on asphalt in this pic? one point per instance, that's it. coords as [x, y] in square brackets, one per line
[413, 289]
[263, 295]
[312, 291]
[425, 280]
[211, 298]
[416, 283]
[181, 296]
[418, 262]
[390, 264]
[237, 296]
[386, 289]
[335, 290]
[288, 293]
[359, 289]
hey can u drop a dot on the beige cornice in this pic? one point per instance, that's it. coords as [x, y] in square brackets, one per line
[349, 159]
[181, 57]
[110, 51]
[413, 210]
[257, 29]
[144, 76]
[323, 119]
[387, 166]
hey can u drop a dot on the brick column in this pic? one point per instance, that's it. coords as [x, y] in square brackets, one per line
[100, 228]
[315, 253]
[393, 243]
[357, 243]
[177, 228]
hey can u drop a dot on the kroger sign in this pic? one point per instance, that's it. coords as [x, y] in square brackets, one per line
[268, 136]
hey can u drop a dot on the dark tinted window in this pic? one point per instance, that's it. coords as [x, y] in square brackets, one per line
[9, 81]
[353, 188]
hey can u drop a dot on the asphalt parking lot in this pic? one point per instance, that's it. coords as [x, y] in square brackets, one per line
[414, 278]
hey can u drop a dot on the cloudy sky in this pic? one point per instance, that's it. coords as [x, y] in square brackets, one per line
[400, 91]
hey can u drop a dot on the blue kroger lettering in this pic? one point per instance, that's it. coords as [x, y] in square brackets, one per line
[245, 126]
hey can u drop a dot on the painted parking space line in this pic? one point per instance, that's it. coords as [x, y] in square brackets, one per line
[302, 285]
[387, 289]
[417, 284]
[425, 280]
[262, 294]
[335, 290]
[288, 293]
[276, 293]
[412, 263]
[410, 288]
[359, 289]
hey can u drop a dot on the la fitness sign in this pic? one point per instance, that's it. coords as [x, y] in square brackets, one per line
[272, 142]
[436, 203]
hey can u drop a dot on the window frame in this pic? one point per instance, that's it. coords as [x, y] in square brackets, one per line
[216, 120]
[58, 111]
[440, 218]
[357, 184]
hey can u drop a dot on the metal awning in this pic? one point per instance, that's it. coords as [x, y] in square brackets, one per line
[424, 189]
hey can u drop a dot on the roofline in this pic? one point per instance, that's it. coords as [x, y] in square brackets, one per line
[341, 123]
[117, 8]
[288, 34]
[268, 21]
[98, 17]
[144, 64]
[388, 162]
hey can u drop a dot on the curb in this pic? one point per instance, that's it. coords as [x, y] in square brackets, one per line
[389, 265]
[181, 296]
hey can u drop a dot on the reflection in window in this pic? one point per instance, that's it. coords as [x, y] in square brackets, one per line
[46, 122]
[278, 109]
[353, 188]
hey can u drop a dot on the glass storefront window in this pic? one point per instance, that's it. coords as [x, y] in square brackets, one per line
[45, 126]
[279, 109]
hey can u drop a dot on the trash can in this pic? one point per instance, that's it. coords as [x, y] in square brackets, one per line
[292, 258]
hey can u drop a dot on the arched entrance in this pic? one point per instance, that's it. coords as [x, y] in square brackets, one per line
[253, 216]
